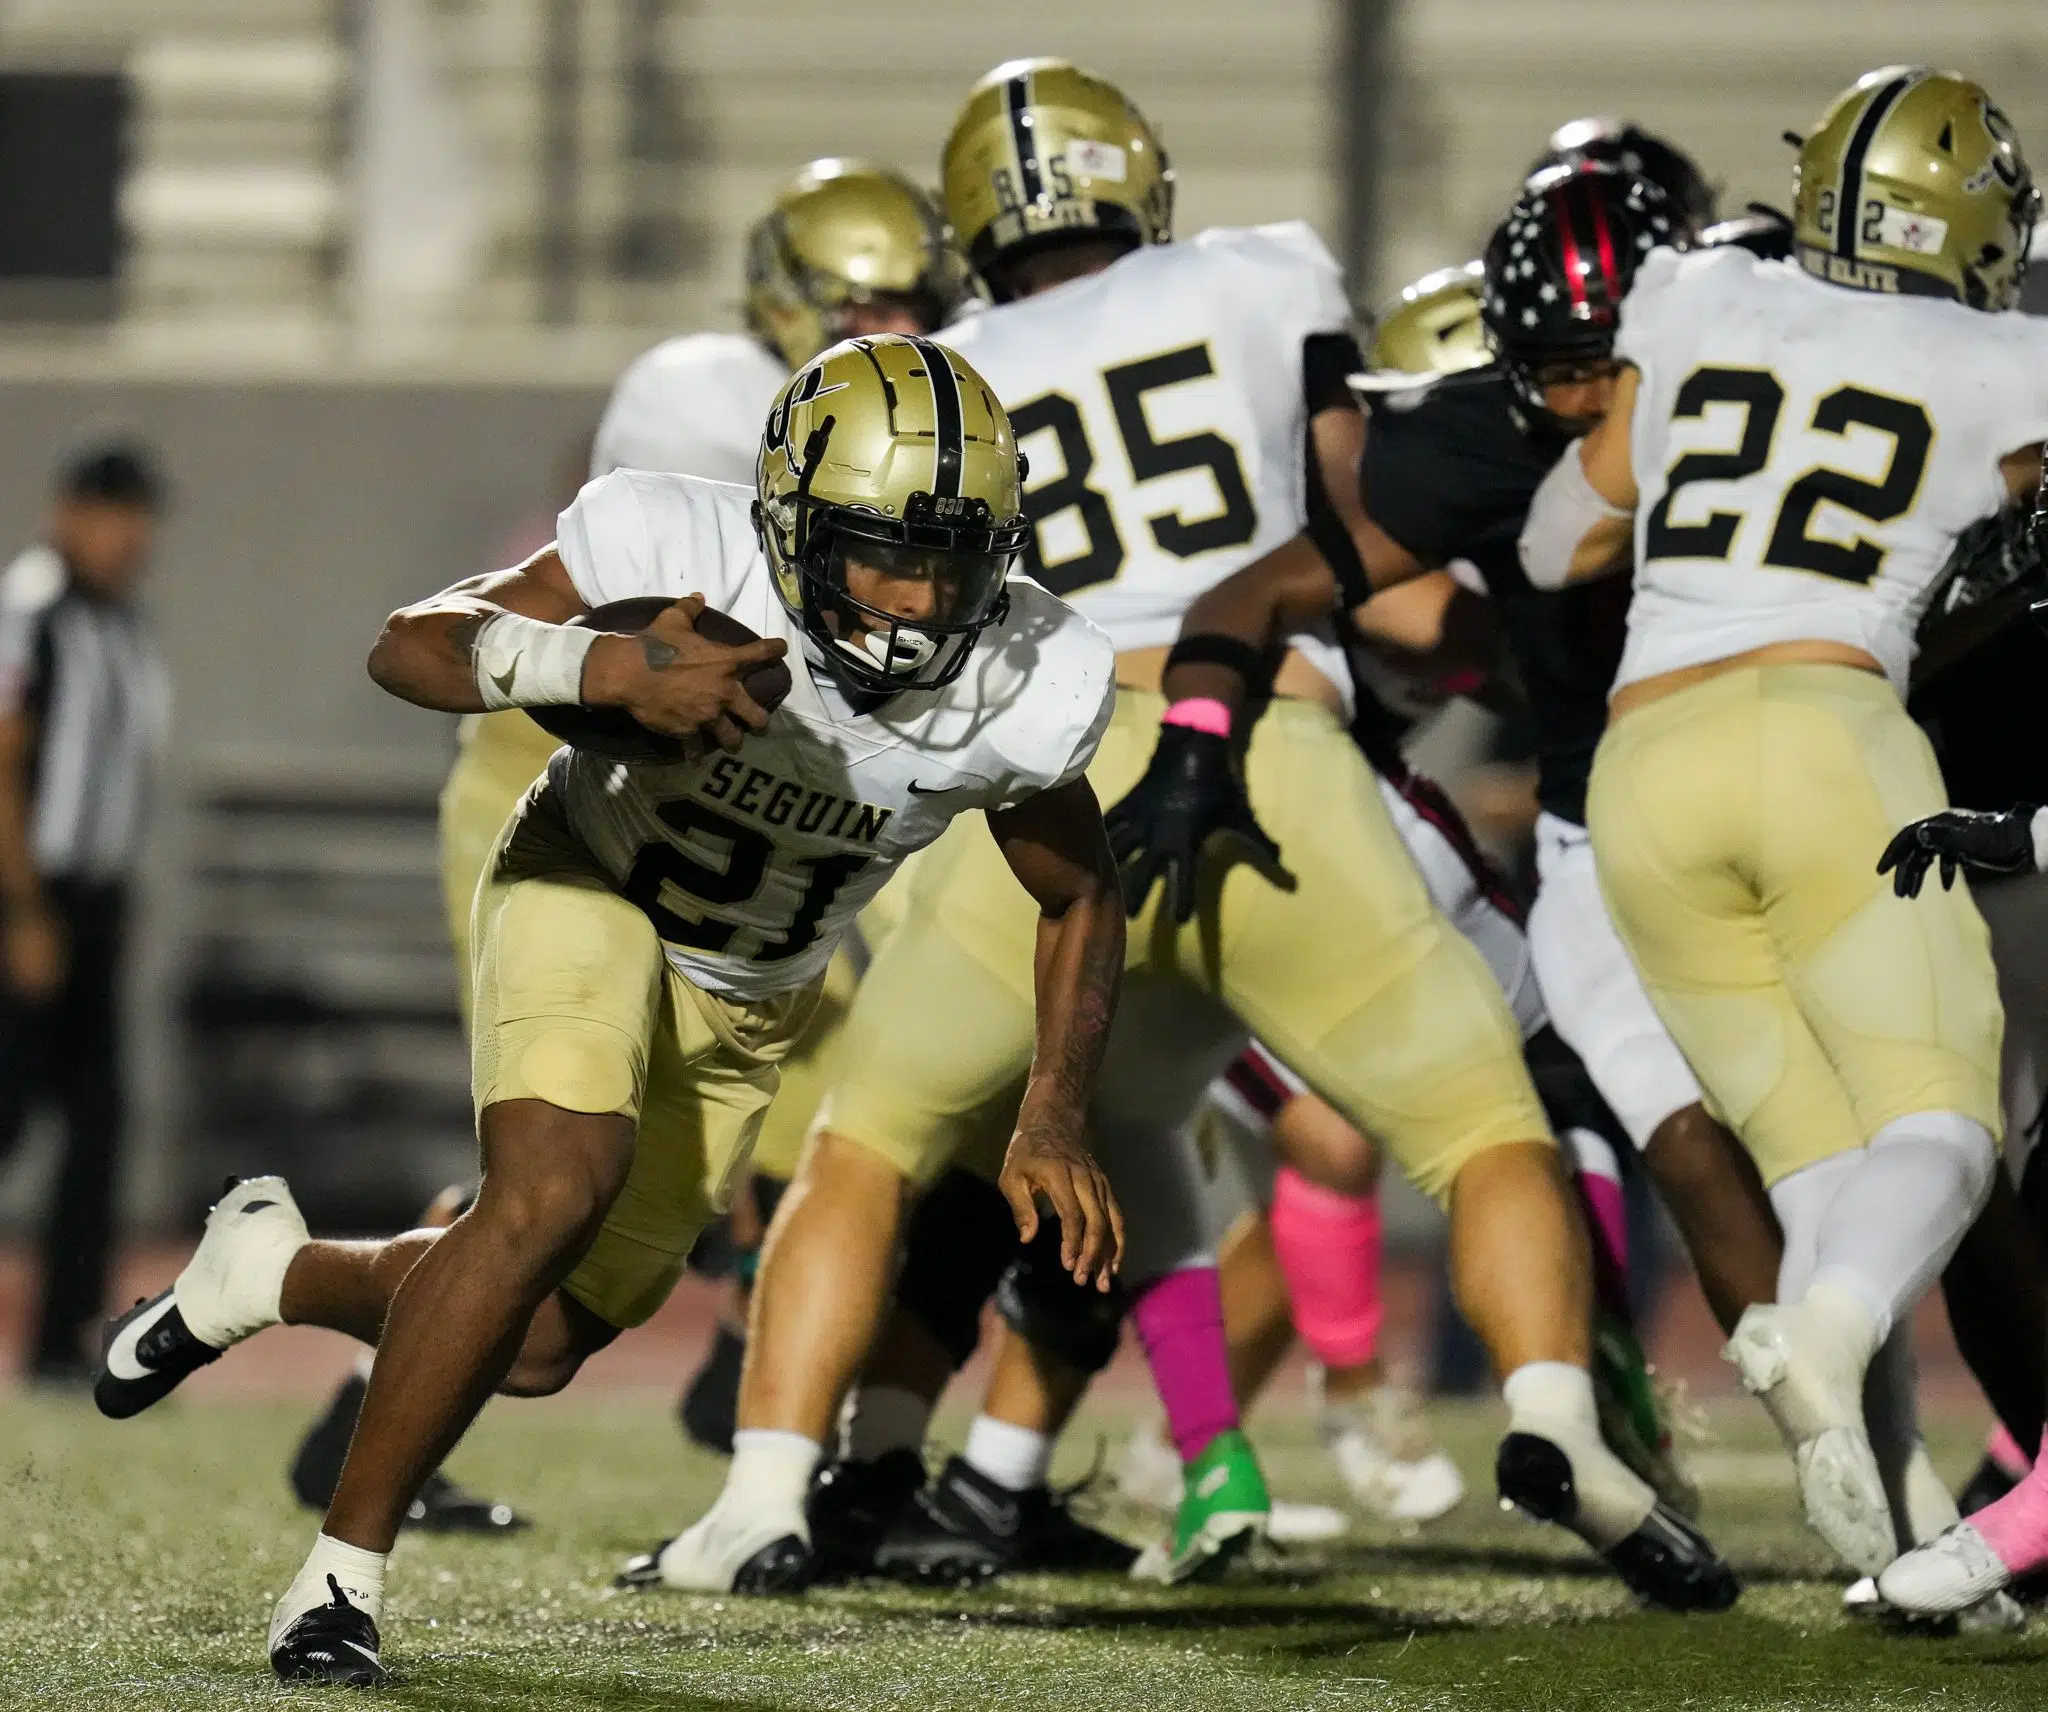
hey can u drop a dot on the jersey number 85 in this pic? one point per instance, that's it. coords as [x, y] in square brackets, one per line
[1231, 525]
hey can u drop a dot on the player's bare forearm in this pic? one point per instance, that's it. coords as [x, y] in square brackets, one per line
[21, 886]
[1290, 586]
[426, 652]
[1297, 582]
[1056, 847]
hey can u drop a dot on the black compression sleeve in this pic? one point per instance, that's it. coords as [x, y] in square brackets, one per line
[1332, 537]
[1328, 360]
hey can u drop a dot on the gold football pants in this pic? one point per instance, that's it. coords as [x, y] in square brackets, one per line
[501, 755]
[576, 1004]
[1737, 826]
[1347, 972]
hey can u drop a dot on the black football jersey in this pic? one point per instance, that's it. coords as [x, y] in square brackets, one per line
[1449, 473]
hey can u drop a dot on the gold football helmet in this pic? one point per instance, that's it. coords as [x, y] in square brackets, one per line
[843, 232]
[1043, 150]
[1913, 181]
[888, 460]
[1436, 328]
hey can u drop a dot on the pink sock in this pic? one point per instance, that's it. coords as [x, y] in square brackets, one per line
[1599, 1183]
[1328, 1246]
[2016, 1527]
[1180, 1323]
[2005, 1451]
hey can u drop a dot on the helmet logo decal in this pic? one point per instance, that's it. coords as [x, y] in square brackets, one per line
[2003, 164]
[807, 388]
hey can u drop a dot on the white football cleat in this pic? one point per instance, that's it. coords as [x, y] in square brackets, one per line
[1951, 1573]
[1381, 1445]
[1813, 1390]
[726, 1553]
[229, 1290]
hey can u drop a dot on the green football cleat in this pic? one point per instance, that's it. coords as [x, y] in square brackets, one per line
[1224, 1511]
[1632, 1415]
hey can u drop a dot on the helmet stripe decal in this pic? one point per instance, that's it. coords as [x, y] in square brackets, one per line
[1030, 176]
[1610, 275]
[1574, 279]
[1849, 200]
[948, 437]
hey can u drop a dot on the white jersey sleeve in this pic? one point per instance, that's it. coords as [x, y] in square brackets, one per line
[1072, 691]
[692, 405]
[639, 532]
[1806, 455]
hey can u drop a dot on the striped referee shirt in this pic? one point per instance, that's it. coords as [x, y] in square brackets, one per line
[95, 690]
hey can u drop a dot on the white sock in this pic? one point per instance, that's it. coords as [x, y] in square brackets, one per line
[882, 1418]
[1552, 1393]
[1554, 1400]
[770, 1475]
[359, 1572]
[1834, 1302]
[1015, 1458]
[1899, 1215]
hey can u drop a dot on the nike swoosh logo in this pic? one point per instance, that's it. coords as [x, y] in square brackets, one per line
[358, 1647]
[999, 1519]
[121, 1359]
[505, 683]
[1213, 1482]
[919, 790]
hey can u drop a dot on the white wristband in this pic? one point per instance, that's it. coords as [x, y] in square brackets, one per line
[524, 662]
[2039, 827]
[1565, 510]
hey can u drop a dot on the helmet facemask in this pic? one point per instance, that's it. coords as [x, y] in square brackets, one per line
[952, 549]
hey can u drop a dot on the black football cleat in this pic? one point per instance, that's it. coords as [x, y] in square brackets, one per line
[442, 1507]
[336, 1642]
[965, 1529]
[147, 1354]
[710, 1404]
[852, 1505]
[1666, 1562]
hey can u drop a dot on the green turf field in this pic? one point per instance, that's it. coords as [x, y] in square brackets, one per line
[138, 1561]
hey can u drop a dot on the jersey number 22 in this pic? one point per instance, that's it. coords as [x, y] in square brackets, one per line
[1792, 545]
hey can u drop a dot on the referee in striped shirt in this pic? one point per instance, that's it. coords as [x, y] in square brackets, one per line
[83, 707]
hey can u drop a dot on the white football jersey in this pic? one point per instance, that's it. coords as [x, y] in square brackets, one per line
[694, 405]
[1807, 454]
[1160, 404]
[754, 864]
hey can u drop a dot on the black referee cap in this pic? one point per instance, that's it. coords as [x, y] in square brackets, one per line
[117, 472]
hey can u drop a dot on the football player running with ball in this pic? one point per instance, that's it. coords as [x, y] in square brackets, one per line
[651, 936]
[1791, 454]
[1173, 388]
[847, 247]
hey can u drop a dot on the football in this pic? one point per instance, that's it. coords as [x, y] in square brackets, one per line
[615, 734]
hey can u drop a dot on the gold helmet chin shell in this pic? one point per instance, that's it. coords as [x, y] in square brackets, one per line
[1913, 181]
[840, 232]
[1435, 328]
[908, 417]
[1043, 150]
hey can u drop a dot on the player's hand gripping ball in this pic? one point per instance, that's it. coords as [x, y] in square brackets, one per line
[615, 734]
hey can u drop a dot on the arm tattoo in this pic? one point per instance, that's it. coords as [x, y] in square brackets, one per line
[462, 635]
[1073, 1073]
[658, 654]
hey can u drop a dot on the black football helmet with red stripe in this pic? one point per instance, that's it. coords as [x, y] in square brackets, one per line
[1559, 265]
[1625, 144]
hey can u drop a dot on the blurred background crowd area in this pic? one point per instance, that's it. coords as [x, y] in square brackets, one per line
[361, 272]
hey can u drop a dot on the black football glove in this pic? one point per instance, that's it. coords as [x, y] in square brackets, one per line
[1960, 838]
[1190, 793]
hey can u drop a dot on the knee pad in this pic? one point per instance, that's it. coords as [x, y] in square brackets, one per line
[1039, 1301]
[960, 1238]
